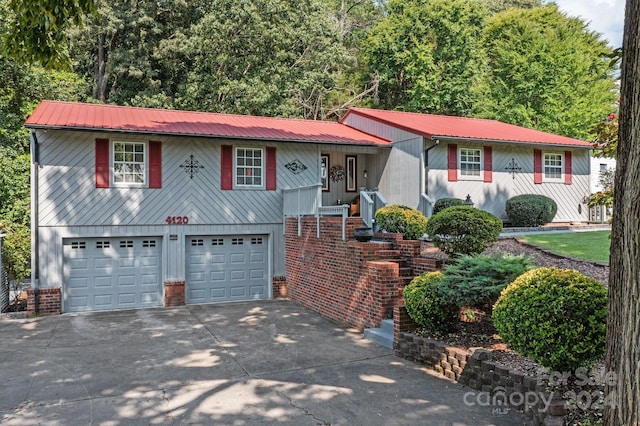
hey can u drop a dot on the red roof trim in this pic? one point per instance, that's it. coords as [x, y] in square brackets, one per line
[435, 126]
[82, 116]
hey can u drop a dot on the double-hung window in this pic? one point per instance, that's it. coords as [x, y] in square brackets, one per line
[249, 167]
[552, 166]
[470, 162]
[129, 163]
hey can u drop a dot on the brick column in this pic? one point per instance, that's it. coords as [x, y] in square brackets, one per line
[279, 287]
[174, 293]
[49, 302]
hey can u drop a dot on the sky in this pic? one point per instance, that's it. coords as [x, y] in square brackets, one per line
[603, 16]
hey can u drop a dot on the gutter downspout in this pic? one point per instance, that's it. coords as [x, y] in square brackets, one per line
[35, 261]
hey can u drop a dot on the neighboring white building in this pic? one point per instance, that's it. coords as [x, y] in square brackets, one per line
[599, 165]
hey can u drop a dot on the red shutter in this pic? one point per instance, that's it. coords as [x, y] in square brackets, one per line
[568, 178]
[102, 163]
[537, 166]
[488, 164]
[452, 163]
[270, 182]
[155, 164]
[226, 177]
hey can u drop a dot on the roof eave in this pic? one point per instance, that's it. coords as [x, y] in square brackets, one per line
[195, 135]
[509, 142]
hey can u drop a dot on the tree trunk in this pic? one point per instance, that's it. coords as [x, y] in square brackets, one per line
[100, 75]
[623, 325]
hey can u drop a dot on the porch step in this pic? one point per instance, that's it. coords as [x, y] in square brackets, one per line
[383, 335]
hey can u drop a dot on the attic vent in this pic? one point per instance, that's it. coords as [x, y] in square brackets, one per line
[217, 242]
[76, 245]
[195, 243]
[126, 243]
[148, 243]
[103, 244]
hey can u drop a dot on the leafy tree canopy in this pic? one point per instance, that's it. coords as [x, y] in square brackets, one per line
[547, 71]
[428, 55]
[265, 57]
[37, 29]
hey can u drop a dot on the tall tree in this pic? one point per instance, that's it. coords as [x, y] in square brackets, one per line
[547, 71]
[128, 50]
[623, 331]
[428, 55]
[265, 57]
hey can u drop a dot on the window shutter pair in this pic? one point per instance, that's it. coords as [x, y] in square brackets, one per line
[537, 167]
[452, 163]
[103, 168]
[226, 170]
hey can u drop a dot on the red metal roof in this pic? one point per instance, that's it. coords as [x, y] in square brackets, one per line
[82, 116]
[434, 126]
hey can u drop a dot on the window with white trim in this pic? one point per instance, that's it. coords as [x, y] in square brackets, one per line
[552, 166]
[470, 162]
[129, 163]
[249, 168]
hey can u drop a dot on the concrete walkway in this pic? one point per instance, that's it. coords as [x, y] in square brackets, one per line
[232, 364]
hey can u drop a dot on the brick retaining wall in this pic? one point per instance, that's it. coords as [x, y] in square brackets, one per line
[49, 302]
[495, 383]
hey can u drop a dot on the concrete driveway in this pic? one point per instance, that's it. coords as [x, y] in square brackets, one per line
[231, 364]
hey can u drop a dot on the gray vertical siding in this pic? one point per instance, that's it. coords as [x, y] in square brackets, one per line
[67, 195]
[402, 173]
[493, 196]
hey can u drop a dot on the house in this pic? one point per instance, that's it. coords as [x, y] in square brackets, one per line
[135, 207]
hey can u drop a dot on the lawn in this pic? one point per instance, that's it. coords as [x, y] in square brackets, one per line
[583, 245]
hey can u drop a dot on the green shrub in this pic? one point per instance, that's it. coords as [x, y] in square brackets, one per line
[530, 210]
[426, 306]
[476, 281]
[444, 203]
[555, 316]
[402, 219]
[463, 230]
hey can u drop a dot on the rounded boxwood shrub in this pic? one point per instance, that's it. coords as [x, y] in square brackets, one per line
[476, 281]
[463, 230]
[555, 316]
[426, 306]
[443, 203]
[402, 219]
[530, 210]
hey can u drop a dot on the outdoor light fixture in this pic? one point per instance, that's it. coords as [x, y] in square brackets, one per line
[467, 201]
[364, 173]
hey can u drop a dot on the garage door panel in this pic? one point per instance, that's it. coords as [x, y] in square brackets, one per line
[103, 282]
[237, 275]
[117, 273]
[217, 276]
[234, 267]
[79, 283]
[105, 300]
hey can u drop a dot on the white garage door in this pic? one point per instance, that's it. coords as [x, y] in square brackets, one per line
[111, 273]
[226, 268]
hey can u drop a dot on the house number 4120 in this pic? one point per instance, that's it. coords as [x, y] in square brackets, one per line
[177, 220]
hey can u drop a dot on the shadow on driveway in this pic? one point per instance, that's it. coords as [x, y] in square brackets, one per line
[240, 364]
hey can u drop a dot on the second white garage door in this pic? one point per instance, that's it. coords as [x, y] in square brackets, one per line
[227, 268]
